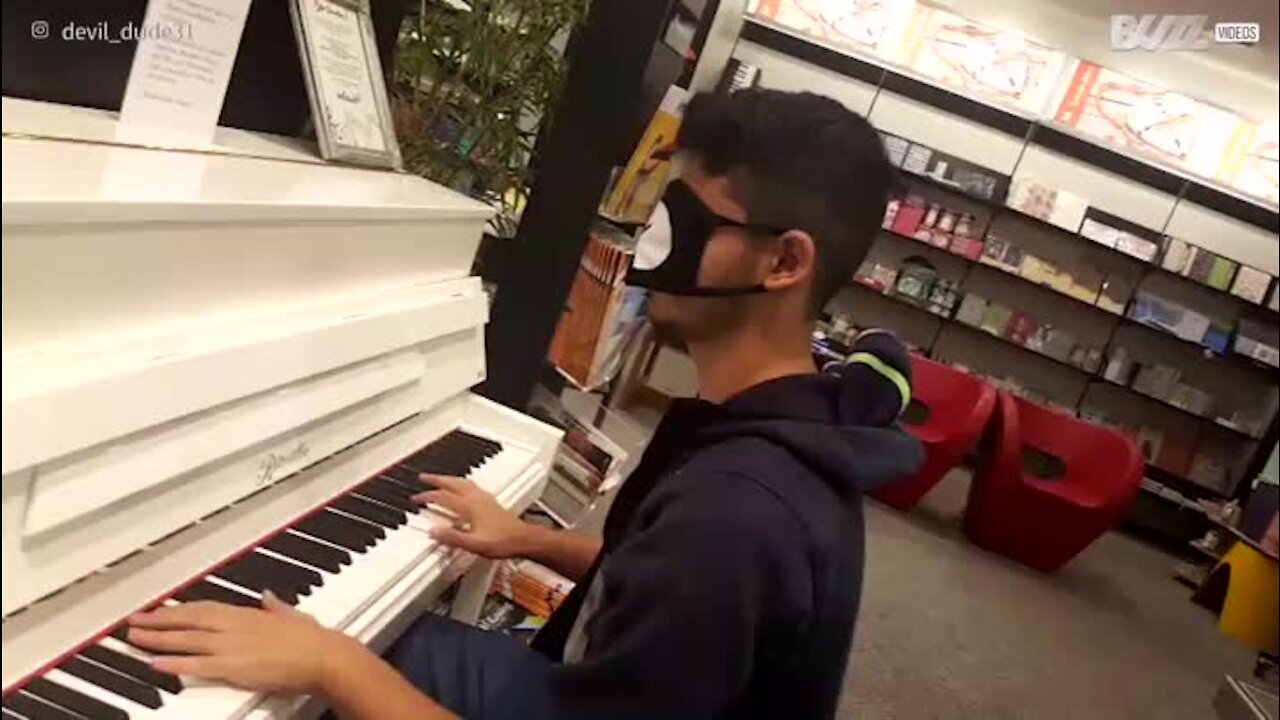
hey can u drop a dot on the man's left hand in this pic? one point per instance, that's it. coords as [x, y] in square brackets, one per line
[275, 648]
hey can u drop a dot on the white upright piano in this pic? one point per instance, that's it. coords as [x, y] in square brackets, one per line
[223, 371]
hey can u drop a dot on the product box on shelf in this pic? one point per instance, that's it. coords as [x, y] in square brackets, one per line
[1201, 267]
[943, 297]
[1058, 344]
[914, 281]
[996, 318]
[1138, 247]
[1210, 470]
[1170, 316]
[1255, 340]
[917, 159]
[1175, 456]
[1156, 381]
[909, 216]
[1100, 233]
[1217, 338]
[1119, 367]
[1038, 270]
[895, 148]
[1020, 328]
[1222, 273]
[1177, 255]
[968, 247]
[1056, 207]
[994, 250]
[1250, 284]
[1150, 440]
[972, 309]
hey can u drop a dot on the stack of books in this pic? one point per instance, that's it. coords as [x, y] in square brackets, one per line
[534, 587]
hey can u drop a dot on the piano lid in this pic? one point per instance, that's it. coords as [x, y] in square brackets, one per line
[62, 165]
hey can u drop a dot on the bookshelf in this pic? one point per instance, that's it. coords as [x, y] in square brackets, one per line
[1125, 321]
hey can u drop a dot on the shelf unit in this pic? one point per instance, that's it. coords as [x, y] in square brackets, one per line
[1143, 268]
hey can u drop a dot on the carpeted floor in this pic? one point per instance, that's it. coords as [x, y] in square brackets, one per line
[949, 631]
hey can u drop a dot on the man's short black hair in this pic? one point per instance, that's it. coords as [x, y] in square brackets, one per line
[797, 160]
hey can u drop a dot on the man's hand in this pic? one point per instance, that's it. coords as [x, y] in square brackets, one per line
[275, 648]
[491, 530]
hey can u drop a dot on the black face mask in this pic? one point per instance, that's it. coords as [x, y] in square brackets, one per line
[669, 250]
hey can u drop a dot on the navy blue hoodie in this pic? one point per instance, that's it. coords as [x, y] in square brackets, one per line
[732, 564]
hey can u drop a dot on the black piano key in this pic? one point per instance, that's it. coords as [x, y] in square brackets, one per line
[22, 705]
[407, 476]
[205, 590]
[260, 572]
[325, 526]
[380, 514]
[9, 715]
[303, 576]
[388, 497]
[390, 486]
[377, 531]
[112, 681]
[133, 667]
[73, 700]
[325, 557]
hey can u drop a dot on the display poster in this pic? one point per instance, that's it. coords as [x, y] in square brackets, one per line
[876, 27]
[973, 59]
[1142, 119]
[1250, 164]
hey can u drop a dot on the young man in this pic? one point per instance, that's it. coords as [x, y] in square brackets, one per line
[727, 581]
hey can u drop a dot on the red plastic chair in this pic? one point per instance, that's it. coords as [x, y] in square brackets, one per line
[1045, 522]
[958, 407]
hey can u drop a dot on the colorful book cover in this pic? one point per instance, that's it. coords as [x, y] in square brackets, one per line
[1222, 273]
[639, 187]
[996, 318]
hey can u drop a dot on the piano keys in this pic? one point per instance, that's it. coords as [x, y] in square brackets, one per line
[362, 542]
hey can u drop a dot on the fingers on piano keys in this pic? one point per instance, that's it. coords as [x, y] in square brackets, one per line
[323, 564]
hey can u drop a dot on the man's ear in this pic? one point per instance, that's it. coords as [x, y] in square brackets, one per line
[794, 261]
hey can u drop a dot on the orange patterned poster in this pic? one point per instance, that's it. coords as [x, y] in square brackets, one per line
[1250, 165]
[867, 26]
[971, 58]
[1148, 121]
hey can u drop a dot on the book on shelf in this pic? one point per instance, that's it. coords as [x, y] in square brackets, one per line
[1177, 255]
[996, 319]
[1138, 247]
[1221, 273]
[1250, 284]
[1201, 265]
[972, 309]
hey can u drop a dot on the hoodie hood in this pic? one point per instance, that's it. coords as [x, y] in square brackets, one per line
[822, 421]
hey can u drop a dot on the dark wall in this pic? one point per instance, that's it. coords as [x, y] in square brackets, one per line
[266, 90]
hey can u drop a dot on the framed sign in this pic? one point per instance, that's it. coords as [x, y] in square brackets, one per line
[344, 82]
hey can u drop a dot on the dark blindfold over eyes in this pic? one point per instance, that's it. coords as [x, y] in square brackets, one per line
[669, 250]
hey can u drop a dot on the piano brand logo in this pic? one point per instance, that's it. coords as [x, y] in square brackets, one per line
[274, 461]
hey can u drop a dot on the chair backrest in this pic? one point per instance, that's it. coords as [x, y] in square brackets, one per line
[1094, 456]
[950, 395]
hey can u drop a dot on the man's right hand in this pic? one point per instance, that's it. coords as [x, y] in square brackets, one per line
[490, 529]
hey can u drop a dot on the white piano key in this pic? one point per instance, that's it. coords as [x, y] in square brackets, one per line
[198, 700]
